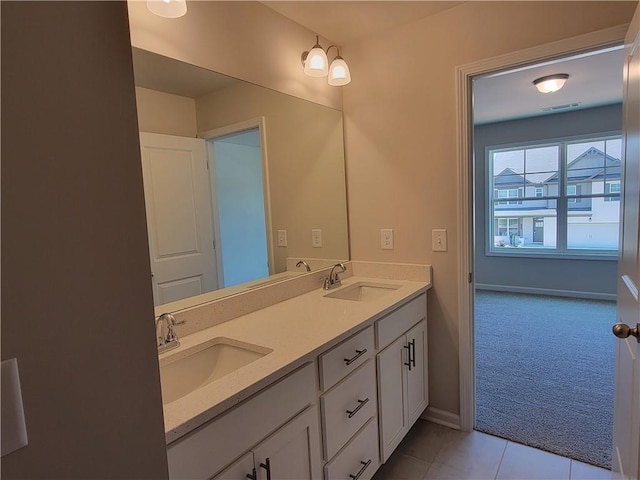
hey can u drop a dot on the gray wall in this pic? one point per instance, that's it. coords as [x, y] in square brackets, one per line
[534, 274]
[77, 308]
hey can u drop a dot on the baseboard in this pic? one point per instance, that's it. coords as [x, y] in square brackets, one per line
[442, 417]
[545, 291]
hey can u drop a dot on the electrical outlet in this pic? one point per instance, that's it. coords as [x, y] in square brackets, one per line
[386, 239]
[316, 238]
[439, 240]
[282, 238]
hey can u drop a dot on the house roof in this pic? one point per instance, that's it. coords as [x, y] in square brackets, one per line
[510, 177]
[591, 165]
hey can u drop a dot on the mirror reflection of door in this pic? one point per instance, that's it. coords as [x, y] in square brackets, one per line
[239, 198]
[178, 206]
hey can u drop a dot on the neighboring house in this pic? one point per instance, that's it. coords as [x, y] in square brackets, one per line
[525, 213]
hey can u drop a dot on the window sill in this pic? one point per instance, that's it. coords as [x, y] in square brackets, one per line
[521, 253]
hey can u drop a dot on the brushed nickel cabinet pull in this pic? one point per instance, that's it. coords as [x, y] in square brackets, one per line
[358, 354]
[267, 467]
[408, 363]
[364, 467]
[361, 403]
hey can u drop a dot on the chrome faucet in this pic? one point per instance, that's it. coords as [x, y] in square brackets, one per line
[306, 265]
[168, 339]
[333, 280]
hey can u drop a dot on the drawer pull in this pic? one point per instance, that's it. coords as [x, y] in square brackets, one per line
[253, 475]
[358, 354]
[267, 467]
[408, 363]
[364, 467]
[361, 403]
[413, 355]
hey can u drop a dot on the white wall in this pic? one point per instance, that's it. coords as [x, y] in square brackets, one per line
[161, 112]
[77, 307]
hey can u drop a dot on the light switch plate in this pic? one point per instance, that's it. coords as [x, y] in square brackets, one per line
[316, 238]
[386, 239]
[282, 238]
[439, 240]
[14, 429]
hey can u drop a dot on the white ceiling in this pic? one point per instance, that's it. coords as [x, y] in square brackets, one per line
[344, 22]
[594, 80]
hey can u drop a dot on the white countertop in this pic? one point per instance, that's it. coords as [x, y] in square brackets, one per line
[297, 330]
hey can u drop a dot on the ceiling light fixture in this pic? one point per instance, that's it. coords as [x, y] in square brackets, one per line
[551, 83]
[168, 8]
[316, 64]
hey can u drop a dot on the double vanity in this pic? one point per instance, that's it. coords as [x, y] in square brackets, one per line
[324, 384]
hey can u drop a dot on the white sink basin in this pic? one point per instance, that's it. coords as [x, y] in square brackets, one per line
[363, 291]
[189, 370]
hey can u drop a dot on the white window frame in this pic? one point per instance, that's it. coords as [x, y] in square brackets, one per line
[563, 200]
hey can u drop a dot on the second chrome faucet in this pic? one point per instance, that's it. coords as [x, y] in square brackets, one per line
[333, 280]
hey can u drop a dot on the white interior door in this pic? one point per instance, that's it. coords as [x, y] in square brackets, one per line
[626, 437]
[179, 217]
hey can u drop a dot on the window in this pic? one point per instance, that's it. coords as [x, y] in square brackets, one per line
[558, 198]
[508, 193]
[612, 187]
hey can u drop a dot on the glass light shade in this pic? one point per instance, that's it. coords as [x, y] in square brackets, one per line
[551, 83]
[315, 65]
[339, 72]
[168, 8]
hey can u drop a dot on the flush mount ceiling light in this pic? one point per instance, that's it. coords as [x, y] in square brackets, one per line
[168, 8]
[550, 83]
[316, 64]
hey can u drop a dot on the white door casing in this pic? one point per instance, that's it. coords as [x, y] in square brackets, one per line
[464, 75]
[179, 216]
[626, 432]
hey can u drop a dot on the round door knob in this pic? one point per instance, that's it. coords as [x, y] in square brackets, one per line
[622, 330]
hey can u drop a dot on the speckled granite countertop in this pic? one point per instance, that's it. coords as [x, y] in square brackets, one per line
[297, 330]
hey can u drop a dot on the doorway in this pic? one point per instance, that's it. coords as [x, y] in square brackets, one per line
[545, 222]
[239, 182]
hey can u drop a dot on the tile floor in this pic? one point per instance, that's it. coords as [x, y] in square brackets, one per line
[431, 451]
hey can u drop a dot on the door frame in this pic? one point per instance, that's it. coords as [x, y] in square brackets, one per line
[259, 123]
[464, 74]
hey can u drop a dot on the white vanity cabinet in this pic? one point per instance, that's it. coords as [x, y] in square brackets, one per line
[349, 408]
[277, 427]
[402, 372]
[292, 452]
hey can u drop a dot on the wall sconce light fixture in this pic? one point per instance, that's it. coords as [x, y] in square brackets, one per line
[168, 8]
[316, 64]
[551, 83]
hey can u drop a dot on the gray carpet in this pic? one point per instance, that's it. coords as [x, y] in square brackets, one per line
[545, 373]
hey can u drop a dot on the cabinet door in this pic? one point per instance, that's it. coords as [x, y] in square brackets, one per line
[392, 408]
[417, 384]
[293, 451]
[238, 470]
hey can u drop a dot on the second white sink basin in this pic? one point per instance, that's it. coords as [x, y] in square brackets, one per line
[363, 291]
[187, 371]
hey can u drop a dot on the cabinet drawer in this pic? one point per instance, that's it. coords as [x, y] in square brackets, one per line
[213, 446]
[348, 406]
[398, 322]
[345, 357]
[359, 456]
